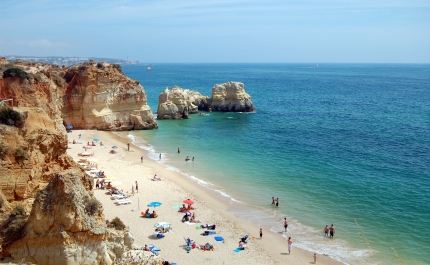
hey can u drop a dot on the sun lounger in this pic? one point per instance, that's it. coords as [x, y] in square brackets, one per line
[121, 202]
[117, 197]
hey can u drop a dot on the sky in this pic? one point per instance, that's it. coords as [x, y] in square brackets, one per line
[218, 31]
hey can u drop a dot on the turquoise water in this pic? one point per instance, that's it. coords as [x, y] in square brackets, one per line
[345, 144]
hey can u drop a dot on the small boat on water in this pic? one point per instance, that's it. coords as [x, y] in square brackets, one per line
[148, 68]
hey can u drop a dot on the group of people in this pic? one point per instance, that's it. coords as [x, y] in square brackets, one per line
[275, 201]
[329, 230]
[149, 215]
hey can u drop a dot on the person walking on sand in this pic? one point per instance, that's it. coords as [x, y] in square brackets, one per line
[331, 231]
[128, 146]
[277, 202]
[315, 258]
[326, 229]
[289, 245]
[137, 187]
[285, 224]
[273, 200]
[261, 233]
[132, 190]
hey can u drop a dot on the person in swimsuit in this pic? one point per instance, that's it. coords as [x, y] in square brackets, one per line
[179, 150]
[326, 229]
[331, 231]
[137, 187]
[289, 245]
[261, 233]
[285, 224]
[273, 200]
[315, 258]
[277, 202]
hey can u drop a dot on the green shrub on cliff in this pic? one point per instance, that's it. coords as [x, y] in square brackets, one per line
[117, 224]
[14, 72]
[92, 206]
[10, 117]
[20, 152]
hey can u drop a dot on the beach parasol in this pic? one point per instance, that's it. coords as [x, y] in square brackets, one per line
[69, 127]
[162, 225]
[96, 139]
[154, 204]
[188, 201]
[219, 238]
[91, 159]
[114, 147]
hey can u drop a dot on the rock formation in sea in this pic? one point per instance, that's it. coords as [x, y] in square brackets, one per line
[231, 96]
[177, 103]
[86, 96]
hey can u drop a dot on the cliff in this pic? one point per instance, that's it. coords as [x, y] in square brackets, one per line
[177, 103]
[86, 96]
[100, 96]
[48, 214]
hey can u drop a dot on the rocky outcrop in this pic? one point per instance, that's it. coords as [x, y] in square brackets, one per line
[100, 96]
[86, 96]
[231, 96]
[48, 214]
[177, 103]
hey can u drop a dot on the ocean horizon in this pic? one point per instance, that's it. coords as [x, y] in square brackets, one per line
[342, 144]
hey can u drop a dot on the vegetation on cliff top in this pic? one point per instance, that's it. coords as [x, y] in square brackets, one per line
[14, 72]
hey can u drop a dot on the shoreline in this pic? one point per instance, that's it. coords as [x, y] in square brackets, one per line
[270, 250]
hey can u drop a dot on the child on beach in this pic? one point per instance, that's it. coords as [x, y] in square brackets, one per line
[261, 233]
[315, 258]
[285, 224]
[289, 245]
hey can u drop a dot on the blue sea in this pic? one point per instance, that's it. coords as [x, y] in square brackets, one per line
[342, 144]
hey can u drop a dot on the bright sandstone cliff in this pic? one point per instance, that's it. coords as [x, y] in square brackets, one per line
[100, 96]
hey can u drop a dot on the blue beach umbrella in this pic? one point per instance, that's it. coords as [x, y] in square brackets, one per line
[96, 139]
[114, 147]
[69, 127]
[162, 225]
[154, 204]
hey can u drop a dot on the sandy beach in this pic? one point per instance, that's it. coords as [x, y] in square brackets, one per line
[124, 168]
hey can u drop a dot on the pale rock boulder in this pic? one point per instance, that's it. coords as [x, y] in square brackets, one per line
[231, 96]
[177, 103]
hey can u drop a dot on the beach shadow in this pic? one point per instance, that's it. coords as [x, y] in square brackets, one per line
[311, 262]
[285, 254]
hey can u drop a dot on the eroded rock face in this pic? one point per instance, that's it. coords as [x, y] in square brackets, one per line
[86, 96]
[177, 103]
[231, 96]
[100, 96]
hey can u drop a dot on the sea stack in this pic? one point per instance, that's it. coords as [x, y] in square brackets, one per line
[231, 96]
[177, 103]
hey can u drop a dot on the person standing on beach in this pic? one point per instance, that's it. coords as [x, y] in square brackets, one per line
[160, 156]
[141, 159]
[289, 245]
[326, 229]
[79, 136]
[137, 187]
[285, 224]
[273, 200]
[277, 202]
[315, 258]
[331, 231]
[261, 233]
[128, 146]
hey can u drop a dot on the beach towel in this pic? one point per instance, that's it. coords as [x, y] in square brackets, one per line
[219, 238]
[237, 250]
[153, 248]
[176, 206]
[199, 227]
[208, 233]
